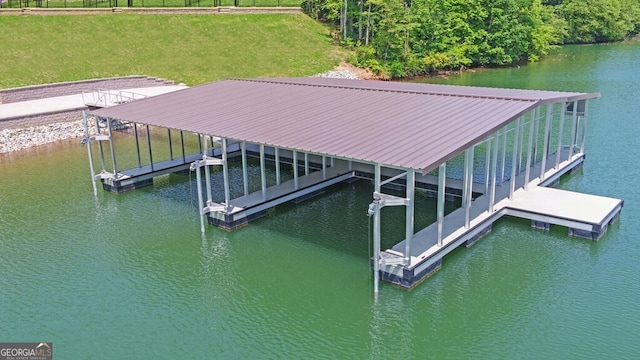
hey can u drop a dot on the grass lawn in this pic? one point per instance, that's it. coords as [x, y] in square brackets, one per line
[193, 49]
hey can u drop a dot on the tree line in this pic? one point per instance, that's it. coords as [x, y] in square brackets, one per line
[400, 38]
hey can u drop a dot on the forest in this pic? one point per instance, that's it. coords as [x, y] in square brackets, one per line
[404, 38]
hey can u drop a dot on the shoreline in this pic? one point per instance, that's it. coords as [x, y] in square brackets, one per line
[16, 139]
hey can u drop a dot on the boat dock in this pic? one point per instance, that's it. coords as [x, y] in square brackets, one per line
[496, 151]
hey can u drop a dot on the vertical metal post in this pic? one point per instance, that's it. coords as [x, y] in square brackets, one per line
[521, 143]
[494, 170]
[184, 157]
[170, 144]
[113, 151]
[560, 129]
[469, 156]
[376, 233]
[277, 158]
[149, 146]
[350, 164]
[88, 136]
[245, 172]
[442, 173]
[516, 137]
[135, 133]
[263, 174]
[306, 163]
[332, 164]
[207, 178]
[295, 170]
[584, 126]
[324, 167]
[487, 165]
[102, 164]
[409, 215]
[200, 200]
[225, 173]
[536, 135]
[529, 150]
[504, 154]
[574, 119]
[545, 150]
[199, 143]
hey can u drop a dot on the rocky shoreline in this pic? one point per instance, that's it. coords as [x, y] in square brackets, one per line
[23, 138]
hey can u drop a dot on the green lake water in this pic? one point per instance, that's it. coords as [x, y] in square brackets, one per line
[130, 276]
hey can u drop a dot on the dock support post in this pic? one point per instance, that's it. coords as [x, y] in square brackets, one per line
[536, 134]
[529, 150]
[245, 172]
[277, 158]
[199, 142]
[504, 154]
[442, 173]
[295, 169]
[376, 233]
[113, 151]
[207, 179]
[545, 150]
[184, 156]
[225, 173]
[135, 133]
[306, 163]
[494, 170]
[149, 146]
[574, 120]
[516, 145]
[324, 167]
[170, 144]
[409, 214]
[468, 185]
[487, 165]
[200, 200]
[88, 137]
[263, 174]
[584, 126]
[560, 129]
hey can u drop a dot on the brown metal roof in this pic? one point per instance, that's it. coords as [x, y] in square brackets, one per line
[406, 125]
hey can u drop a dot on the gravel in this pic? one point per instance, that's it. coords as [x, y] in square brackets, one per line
[23, 138]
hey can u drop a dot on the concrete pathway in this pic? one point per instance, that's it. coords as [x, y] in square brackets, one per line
[69, 102]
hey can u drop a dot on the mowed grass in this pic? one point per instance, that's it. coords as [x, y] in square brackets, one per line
[192, 49]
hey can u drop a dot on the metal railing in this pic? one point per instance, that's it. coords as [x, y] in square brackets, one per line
[104, 98]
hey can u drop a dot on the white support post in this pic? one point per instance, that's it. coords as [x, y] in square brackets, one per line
[409, 215]
[584, 126]
[306, 163]
[135, 134]
[263, 174]
[149, 146]
[245, 171]
[113, 151]
[85, 122]
[442, 173]
[200, 200]
[324, 167]
[574, 120]
[207, 179]
[521, 144]
[225, 174]
[516, 137]
[529, 150]
[487, 165]
[376, 233]
[536, 135]
[494, 170]
[469, 185]
[504, 154]
[545, 150]
[295, 170]
[277, 159]
[560, 129]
